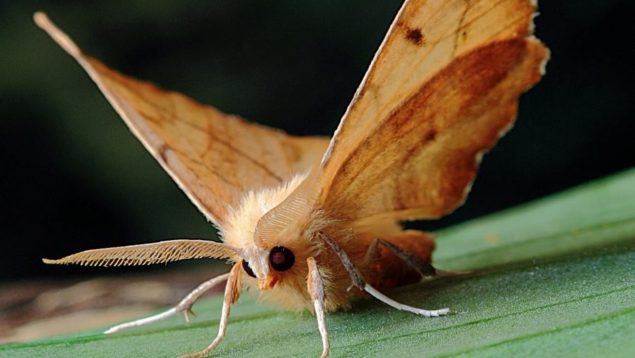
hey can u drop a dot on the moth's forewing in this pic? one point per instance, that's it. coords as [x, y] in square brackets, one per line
[442, 88]
[214, 157]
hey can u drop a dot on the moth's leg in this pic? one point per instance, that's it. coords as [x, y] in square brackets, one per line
[232, 293]
[415, 262]
[184, 306]
[400, 306]
[315, 286]
[371, 254]
[359, 282]
[425, 269]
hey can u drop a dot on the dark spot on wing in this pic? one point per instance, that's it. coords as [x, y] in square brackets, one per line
[415, 36]
[431, 135]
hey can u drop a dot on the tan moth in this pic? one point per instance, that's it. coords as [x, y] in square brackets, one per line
[305, 218]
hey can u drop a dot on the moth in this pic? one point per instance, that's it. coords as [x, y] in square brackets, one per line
[310, 222]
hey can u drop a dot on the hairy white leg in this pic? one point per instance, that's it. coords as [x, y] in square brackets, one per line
[359, 282]
[400, 306]
[184, 306]
[315, 286]
[231, 296]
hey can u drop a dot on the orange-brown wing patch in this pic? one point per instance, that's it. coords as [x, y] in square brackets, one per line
[213, 157]
[442, 89]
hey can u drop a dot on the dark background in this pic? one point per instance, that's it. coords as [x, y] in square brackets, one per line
[73, 177]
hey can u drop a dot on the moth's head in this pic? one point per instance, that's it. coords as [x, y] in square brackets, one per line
[268, 267]
[279, 249]
[269, 230]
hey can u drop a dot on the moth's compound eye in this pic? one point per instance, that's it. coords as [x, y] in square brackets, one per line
[281, 258]
[248, 269]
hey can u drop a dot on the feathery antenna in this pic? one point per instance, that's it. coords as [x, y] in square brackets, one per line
[148, 254]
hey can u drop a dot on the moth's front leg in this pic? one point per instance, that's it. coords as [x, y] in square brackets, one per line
[315, 286]
[232, 292]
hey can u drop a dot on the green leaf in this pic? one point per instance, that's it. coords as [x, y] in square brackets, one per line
[555, 277]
